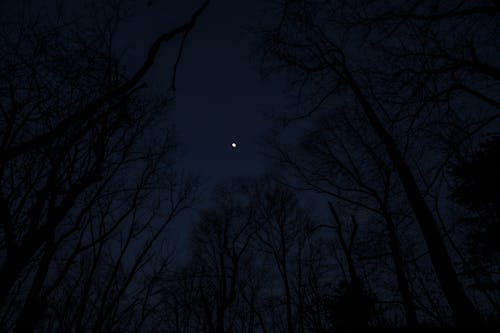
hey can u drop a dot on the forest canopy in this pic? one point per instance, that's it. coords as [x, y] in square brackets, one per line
[380, 213]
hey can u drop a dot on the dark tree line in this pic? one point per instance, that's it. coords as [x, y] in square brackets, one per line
[382, 215]
[421, 79]
[88, 184]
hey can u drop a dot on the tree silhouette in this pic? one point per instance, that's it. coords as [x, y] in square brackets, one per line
[383, 215]
[477, 189]
[432, 75]
[82, 167]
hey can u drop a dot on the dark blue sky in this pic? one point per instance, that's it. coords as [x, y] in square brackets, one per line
[220, 95]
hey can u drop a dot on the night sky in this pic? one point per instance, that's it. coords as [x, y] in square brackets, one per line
[220, 96]
[377, 152]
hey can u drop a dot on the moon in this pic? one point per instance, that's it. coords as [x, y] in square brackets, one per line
[233, 145]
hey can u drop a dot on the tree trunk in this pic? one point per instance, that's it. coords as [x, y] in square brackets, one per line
[464, 311]
[404, 288]
[33, 306]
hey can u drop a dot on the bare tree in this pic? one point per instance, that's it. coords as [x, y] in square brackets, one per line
[222, 260]
[339, 158]
[81, 167]
[282, 223]
[316, 44]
